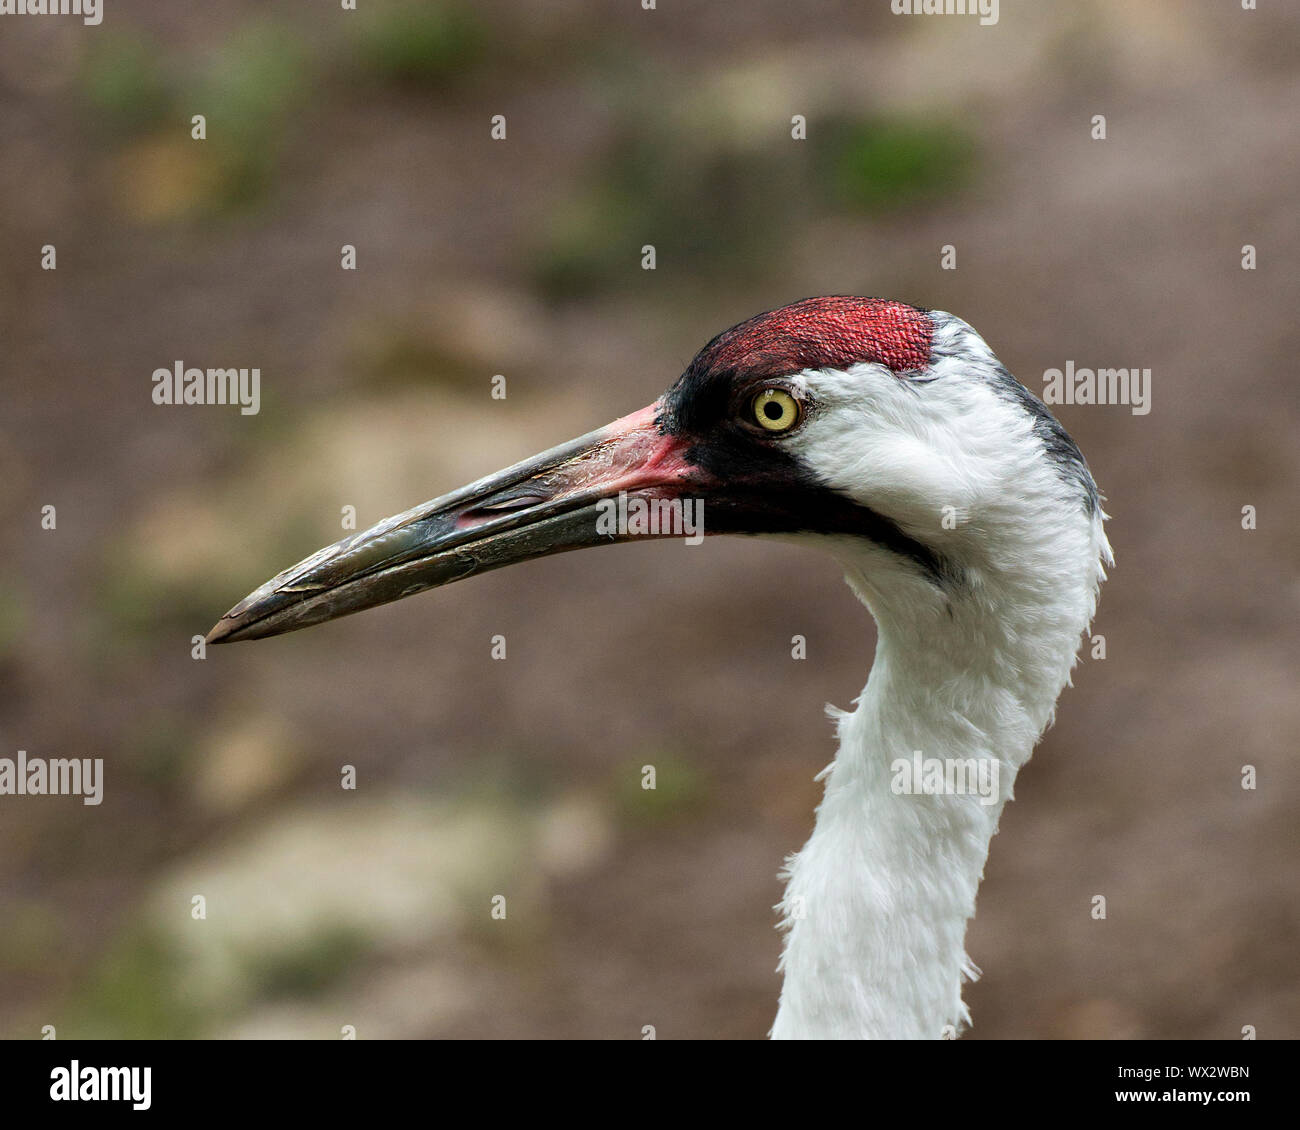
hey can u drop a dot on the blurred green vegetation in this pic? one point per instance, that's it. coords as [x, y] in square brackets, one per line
[709, 206]
[705, 211]
[137, 605]
[681, 791]
[252, 86]
[397, 354]
[136, 990]
[420, 44]
[247, 90]
[306, 971]
[123, 81]
[882, 164]
[502, 778]
[719, 210]
[143, 986]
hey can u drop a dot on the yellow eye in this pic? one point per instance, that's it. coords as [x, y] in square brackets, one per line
[776, 410]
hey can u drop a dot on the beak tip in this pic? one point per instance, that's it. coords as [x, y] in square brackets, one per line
[223, 631]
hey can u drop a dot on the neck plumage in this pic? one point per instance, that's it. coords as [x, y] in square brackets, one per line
[876, 904]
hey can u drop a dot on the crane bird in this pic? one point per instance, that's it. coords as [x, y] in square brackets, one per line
[965, 519]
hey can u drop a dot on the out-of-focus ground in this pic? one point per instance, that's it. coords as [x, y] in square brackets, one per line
[521, 777]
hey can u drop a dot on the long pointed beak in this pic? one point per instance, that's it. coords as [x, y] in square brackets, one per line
[547, 504]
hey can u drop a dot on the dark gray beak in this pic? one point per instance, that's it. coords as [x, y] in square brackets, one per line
[547, 504]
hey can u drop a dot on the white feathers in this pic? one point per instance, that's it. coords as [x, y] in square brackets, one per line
[876, 903]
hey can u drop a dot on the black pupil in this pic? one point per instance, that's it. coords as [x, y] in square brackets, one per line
[772, 410]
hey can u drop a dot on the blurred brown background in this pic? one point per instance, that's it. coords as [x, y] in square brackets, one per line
[625, 127]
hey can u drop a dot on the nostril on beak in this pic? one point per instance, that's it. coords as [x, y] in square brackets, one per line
[523, 502]
[496, 509]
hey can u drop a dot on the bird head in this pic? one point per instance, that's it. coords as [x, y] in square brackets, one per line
[889, 433]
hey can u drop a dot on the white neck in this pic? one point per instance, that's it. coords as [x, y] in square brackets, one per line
[877, 902]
